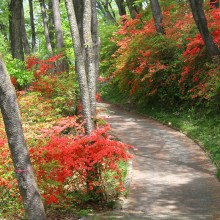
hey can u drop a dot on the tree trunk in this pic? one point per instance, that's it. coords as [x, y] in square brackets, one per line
[51, 24]
[132, 9]
[201, 22]
[45, 23]
[33, 33]
[96, 45]
[90, 55]
[20, 156]
[78, 8]
[157, 15]
[61, 64]
[214, 4]
[111, 9]
[104, 7]
[95, 36]
[24, 34]
[57, 25]
[80, 67]
[15, 17]
[121, 7]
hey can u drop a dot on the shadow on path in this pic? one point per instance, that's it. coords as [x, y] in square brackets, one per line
[172, 176]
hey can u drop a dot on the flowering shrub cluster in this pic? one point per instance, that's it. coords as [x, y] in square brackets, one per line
[200, 79]
[77, 164]
[168, 68]
[8, 183]
[44, 73]
[70, 167]
[61, 87]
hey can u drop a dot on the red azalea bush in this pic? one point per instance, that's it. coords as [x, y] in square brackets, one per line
[61, 87]
[69, 166]
[79, 164]
[44, 73]
[8, 182]
[200, 78]
[166, 69]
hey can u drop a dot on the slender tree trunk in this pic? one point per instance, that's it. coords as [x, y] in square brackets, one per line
[96, 45]
[61, 64]
[121, 7]
[57, 25]
[90, 55]
[33, 33]
[111, 9]
[78, 8]
[132, 9]
[24, 34]
[214, 4]
[45, 23]
[157, 14]
[20, 156]
[105, 8]
[101, 10]
[201, 22]
[15, 17]
[51, 24]
[80, 67]
[95, 36]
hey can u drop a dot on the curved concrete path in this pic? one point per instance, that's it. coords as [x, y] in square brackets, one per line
[172, 177]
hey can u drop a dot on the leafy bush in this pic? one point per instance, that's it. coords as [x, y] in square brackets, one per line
[171, 69]
[17, 70]
[61, 87]
[77, 166]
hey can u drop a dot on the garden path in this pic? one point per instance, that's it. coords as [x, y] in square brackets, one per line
[172, 177]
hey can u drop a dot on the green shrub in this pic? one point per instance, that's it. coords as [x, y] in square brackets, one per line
[16, 68]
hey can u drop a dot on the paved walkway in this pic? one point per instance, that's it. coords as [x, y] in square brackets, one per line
[172, 177]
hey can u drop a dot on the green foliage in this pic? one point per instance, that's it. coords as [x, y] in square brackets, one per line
[108, 47]
[16, 68]
[66, 94]
[147, 67]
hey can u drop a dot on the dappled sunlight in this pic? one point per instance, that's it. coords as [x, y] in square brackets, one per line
[172, 176]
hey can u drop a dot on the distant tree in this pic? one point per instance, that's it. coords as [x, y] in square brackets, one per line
[15, 31]
[95, 36]
[23, 169]
[201, 22]
[24, 34]
[61, 64]
[105, 7]
[157, 15]
[51, 24]
[121, 7]
[133, 8]
[45, 23]
[33, 33]
[57, 25]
